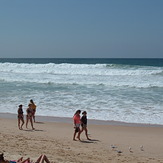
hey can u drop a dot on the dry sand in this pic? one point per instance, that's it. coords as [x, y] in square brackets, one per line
[55, 140]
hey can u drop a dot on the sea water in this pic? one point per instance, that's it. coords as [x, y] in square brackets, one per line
[128, 90]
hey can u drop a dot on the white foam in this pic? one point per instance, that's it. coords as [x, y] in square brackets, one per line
[107, 92]
[98, 74]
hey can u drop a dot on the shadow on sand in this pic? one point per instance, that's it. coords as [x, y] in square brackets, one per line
[39, 122]
[89, 141]
[30, 130]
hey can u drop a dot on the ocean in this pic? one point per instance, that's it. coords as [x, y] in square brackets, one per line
[127, 90]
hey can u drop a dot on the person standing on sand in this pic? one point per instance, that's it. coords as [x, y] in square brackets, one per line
[33, 106]
[20, 117]
[76, 119]
[84, 124]
[29, 116]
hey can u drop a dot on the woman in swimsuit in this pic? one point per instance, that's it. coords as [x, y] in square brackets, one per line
[29, 116]
[33, 106]
[20, 117]
[84, 124]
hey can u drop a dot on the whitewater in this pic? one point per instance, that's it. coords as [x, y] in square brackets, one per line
[119, 92]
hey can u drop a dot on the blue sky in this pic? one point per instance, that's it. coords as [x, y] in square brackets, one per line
[81, 28]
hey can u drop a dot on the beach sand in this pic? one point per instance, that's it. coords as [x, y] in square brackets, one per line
[53, 137]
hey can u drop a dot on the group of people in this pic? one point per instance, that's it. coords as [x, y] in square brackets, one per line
[41, 159]
[80, 122]
[80, 125]
[31, 110]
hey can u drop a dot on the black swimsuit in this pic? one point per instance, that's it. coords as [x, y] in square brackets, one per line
[20, 113]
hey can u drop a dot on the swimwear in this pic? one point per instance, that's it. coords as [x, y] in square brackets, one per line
[20, 116]
[84, 120]
[29, 112]
[77, 129]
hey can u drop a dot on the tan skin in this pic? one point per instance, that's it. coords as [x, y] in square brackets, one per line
[19, 123]
[20, 119]
[75, 131]
[41, 159]
[84, 128]
[34, 109]
[29, 117]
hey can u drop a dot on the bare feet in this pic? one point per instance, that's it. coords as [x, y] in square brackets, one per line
[78, 138]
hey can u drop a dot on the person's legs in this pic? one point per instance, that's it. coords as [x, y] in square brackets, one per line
[74, 135]
[86, 133]
[19, 123]
[46, 159]
[42, 158]
[26, 161]
[20, 160]
[27, 122]
[79, 132]
[34, 116]
[31, 123]
[22, 123]
[38, 160]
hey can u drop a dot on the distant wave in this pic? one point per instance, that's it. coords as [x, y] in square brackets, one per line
[159, 73]
[82, 83]
[110, 75]
[79, 69]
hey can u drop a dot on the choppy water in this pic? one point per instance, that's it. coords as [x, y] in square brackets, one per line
[129, 90]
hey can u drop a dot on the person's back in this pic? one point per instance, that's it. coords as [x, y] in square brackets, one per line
[33, 106]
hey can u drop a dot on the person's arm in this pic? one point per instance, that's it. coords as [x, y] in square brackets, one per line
[81, 120]
[74, 122]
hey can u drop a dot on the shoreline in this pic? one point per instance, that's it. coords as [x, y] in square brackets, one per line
[40, 118]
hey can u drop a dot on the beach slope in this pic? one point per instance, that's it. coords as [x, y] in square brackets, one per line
[54, 139]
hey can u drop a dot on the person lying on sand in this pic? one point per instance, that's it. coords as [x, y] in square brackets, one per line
[41, 159]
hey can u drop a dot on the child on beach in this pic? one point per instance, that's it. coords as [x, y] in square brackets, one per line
[20, 117]
[76, 119]
[84, 124]
[29, 116]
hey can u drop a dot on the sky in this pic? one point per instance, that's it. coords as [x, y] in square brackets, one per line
[81, 28]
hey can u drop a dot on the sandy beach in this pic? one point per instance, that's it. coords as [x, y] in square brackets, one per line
[53, 137]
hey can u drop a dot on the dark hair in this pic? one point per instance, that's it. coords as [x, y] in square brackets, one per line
[20, 105]
[1, 157]
[84, 112]
[78, 111]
